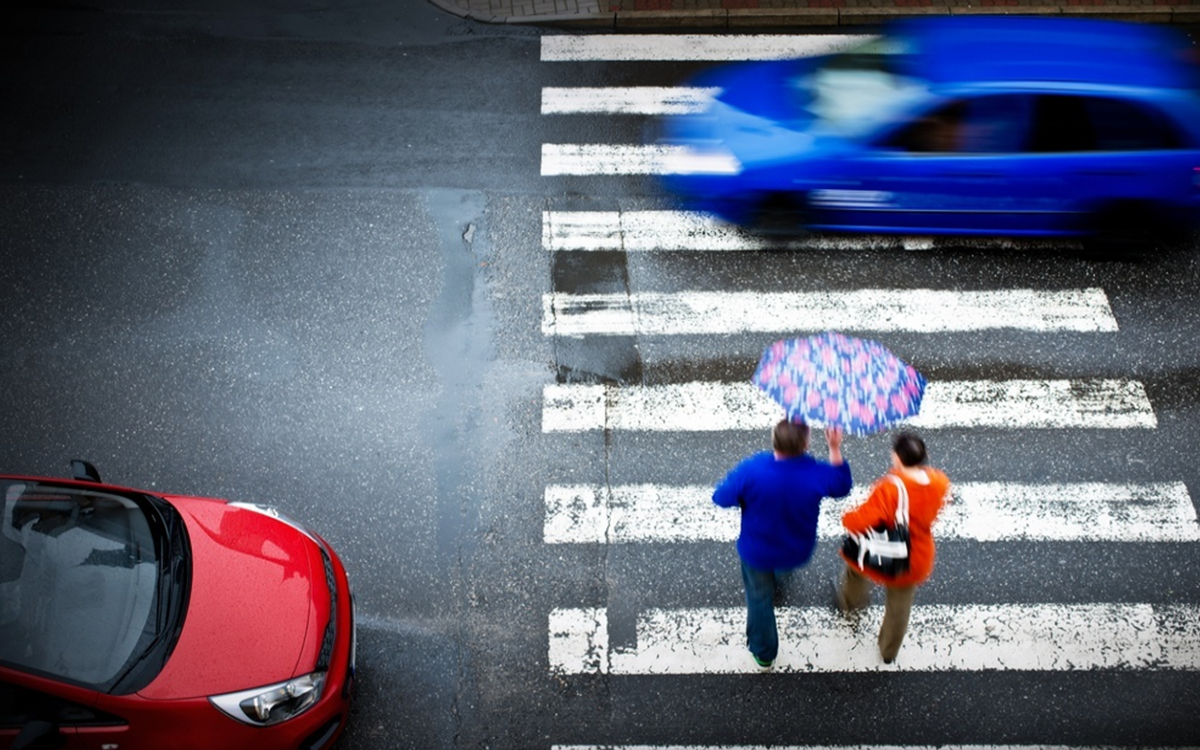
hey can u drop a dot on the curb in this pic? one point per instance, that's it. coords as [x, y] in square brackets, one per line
[816, 18]
[795, 18]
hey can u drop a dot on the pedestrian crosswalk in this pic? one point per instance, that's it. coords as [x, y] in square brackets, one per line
[701, 639]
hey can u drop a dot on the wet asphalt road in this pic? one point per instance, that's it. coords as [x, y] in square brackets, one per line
[297, 259]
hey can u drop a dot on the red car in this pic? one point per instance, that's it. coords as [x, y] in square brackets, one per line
[134, 620]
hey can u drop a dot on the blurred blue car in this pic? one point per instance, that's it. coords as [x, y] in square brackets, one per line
[1002, 126]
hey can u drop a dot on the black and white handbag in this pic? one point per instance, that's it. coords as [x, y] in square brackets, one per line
[884, 548]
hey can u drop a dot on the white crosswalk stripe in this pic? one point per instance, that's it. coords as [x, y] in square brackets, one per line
[1026, 637]
[707, 407]
[633, 231]
[979, 511]
[670, 231]
[918, 310]
[624, 159]
[700, 47]
[621, 100]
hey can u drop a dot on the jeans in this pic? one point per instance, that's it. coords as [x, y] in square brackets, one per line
[856, 593]
[761, 634]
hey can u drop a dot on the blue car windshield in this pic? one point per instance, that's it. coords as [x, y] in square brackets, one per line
[79, 581]
[860, 88]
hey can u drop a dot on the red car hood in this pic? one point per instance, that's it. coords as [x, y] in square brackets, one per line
[251, 618]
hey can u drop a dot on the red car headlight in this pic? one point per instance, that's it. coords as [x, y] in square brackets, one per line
[274, 703]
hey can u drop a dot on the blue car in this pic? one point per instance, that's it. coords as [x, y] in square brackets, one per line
[999, 126]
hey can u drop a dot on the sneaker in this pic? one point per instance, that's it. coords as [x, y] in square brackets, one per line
[763, 664]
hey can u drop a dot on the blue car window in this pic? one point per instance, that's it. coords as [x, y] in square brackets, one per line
[1127, 126]
[1066, 124]
[1062, 125]
[984, 125]
[931, 133]
[995, 125]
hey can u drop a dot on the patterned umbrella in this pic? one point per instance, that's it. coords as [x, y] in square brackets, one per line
[834, 380]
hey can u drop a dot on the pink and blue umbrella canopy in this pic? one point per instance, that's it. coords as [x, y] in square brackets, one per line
[834, 380]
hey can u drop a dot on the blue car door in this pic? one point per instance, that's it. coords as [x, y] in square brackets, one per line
[961, 168]
[1108, 153]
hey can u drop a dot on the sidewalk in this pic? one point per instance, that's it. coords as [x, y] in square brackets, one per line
[716, 15]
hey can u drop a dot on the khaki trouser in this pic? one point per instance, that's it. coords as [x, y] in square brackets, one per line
[855, 593]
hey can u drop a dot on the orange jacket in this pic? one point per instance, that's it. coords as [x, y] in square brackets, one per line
[925, 500]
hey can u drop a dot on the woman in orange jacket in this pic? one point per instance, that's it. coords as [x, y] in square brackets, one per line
[928, 490]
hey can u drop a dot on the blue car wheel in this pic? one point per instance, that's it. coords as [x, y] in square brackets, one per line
[779, 214]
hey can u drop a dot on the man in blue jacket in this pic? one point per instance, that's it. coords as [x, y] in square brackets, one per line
[780, 493]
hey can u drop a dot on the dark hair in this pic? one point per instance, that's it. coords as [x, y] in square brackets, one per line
[910, 449]
[790, 438]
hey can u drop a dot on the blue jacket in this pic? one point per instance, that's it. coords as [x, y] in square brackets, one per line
[780, 501]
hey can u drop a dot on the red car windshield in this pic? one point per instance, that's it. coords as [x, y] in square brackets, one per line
[82, 584]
